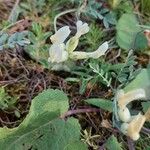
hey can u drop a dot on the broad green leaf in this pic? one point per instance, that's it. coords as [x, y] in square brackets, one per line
[141, 42]
[142, 80]
[146, 106]
[42, 129]
[102, 103]
[113, 144]
[128, 30]
[76, 146]
[49, 101]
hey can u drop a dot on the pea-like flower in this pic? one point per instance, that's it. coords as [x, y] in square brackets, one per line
[131, 125]
[60, 51]
[133, 128]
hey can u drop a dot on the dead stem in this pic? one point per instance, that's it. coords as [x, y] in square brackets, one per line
[130, 144]
[79, 111]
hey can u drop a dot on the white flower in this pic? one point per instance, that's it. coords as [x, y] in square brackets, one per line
[82, 28]
[61, 35]
[96, 54]
[57, 53]
[131, 125]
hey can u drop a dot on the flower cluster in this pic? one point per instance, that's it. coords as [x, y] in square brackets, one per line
[131, 125]
[60, 51]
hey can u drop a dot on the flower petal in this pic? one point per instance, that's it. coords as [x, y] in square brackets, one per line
[61, 35]
[57, 53]
[82, 28]
[124, 114]
[103, 48]
[100, 51]
[79, 24]
[135, 126]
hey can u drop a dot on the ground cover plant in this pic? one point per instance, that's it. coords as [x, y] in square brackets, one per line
[75, 75]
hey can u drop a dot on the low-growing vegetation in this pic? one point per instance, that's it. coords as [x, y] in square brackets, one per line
[75, 75]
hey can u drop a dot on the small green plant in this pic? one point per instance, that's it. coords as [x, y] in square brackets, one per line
[100, 73]
[97, 10]
[92, 39]
[11, 41]
[125, 72]
[124, 118]
[38, 48]
[145, 7]
[6, 101]
[129, 33]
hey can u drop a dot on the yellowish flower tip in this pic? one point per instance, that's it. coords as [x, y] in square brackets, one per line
[135, 126]
[114, 3]
[147, 115]
[71, 44]
[125, 98]
[61, 35]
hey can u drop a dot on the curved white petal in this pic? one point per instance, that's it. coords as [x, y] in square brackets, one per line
[130, 96]
[103, 48]
[61, 35]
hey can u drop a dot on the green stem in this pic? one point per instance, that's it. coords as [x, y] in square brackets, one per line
[61, 14]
